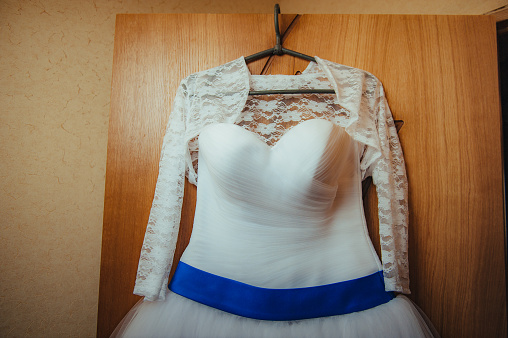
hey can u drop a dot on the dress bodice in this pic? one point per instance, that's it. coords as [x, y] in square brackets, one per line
[221, 96]
[285, 216]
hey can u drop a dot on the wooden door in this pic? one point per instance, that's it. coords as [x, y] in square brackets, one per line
[440, 76]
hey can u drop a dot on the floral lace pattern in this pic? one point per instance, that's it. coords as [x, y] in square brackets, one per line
[220, 95]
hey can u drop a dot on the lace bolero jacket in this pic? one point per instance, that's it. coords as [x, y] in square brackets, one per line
[219, 95]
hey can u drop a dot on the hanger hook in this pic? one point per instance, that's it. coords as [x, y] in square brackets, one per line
[278, 42]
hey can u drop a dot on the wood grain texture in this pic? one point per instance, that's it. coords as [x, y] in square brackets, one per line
[440, 76]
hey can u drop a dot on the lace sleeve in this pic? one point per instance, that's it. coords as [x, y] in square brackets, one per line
[164, 221]
[389, 175]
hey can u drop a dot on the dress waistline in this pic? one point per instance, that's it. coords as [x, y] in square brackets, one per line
[279, 304]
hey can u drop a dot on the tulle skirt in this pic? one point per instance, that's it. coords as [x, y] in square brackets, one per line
[178, 316]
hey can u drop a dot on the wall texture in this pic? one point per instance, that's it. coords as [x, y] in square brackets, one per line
[55, 75]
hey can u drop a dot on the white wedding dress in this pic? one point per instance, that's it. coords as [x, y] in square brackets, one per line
[279, 246]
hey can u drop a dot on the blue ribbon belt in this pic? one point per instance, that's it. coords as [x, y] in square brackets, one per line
[279, 304]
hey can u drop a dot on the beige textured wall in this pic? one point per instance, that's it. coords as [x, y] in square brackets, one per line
[55, 73]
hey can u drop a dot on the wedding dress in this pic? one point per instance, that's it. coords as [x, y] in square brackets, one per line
[279, 246]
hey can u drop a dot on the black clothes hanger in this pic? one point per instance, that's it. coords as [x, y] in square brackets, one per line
[279, 50]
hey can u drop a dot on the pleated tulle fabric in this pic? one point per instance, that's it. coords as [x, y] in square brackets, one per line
[179, 317]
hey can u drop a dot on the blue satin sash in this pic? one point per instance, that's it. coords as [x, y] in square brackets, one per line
[279, 304]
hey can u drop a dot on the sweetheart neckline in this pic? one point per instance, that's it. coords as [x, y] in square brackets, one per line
[257, 136]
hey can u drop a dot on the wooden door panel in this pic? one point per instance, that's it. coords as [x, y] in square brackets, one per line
[440, 76]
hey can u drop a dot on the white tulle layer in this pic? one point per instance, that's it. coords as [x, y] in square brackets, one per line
[180, 317]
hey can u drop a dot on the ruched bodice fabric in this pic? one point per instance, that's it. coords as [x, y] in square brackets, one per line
[286, 216]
